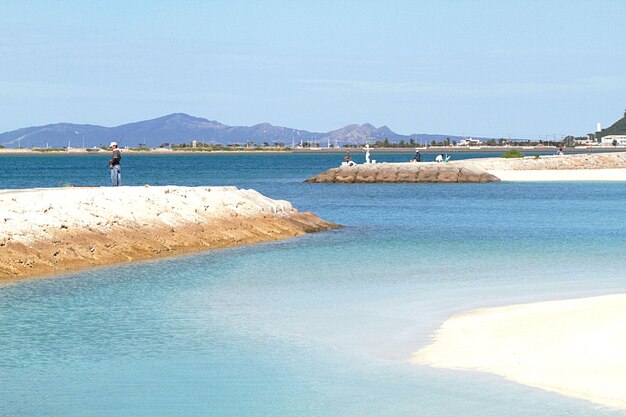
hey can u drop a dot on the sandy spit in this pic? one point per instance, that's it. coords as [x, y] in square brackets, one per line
[572, 347]
[539, 175]
[45, 232]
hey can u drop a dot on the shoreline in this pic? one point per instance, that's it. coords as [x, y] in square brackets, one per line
[429, 150]
[570, 347]
[545, 175]
[47, 232]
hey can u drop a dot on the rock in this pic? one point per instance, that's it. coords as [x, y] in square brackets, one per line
[367, 175]
[387, 174]
[407, 174]
[448, 173]
[427, 174]
[470, 175]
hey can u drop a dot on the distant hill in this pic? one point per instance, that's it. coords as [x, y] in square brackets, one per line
[617, 128]
[181, 128]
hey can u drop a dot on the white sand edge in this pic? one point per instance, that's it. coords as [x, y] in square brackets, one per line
[572, 347]
[615, 174]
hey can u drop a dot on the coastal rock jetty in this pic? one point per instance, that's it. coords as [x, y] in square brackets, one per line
[404, 172]
[46, 232]
[575, 167]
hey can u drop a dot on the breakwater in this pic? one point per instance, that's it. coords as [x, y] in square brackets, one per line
[404, 172]
[47, 232]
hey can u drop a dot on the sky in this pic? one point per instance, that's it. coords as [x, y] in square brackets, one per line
[473, 68]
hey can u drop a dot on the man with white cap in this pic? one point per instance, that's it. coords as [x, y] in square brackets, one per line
[114, 165]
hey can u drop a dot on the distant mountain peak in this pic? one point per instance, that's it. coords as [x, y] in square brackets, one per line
[264, 124]
[184, 117]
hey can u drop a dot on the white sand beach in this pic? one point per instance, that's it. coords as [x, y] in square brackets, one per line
[538, 175]
[572, 347]
[51, 231]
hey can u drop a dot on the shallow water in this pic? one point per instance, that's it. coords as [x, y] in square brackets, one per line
[320, 325]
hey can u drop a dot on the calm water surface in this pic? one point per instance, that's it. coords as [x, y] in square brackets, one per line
[320, 325]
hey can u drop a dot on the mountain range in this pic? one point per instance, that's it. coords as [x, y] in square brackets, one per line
[178, 128]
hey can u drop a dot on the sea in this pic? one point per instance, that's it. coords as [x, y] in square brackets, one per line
[319, 325]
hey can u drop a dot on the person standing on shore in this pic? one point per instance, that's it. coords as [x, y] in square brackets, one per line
[114, 165]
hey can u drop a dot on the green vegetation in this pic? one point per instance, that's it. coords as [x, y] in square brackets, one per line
[205, 147]
[513, 153]
[49, 149]
[618, 128]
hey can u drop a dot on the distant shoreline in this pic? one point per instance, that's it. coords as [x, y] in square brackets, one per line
[432, 149]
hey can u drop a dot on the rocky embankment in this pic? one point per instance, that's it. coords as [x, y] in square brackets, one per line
[46, 232]
[405, 172]
[577, 167]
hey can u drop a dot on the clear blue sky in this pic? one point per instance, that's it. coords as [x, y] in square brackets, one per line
[492, 68]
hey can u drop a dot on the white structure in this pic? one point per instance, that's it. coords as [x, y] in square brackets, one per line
[367, 155]
[194, 143]
[590, 141]
[469, 142]
[598, 127]
[620, 140]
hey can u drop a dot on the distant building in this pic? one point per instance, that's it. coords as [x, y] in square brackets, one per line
[589, 141]
[619, 140]
[194, 143]
[469, 142]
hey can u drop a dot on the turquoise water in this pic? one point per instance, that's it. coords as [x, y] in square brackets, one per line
[320, 325]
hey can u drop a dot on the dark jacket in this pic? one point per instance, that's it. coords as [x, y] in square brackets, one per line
[115, 157]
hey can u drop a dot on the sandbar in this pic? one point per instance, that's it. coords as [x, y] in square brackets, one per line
[571, 347]
[45, 232]
[539, 175]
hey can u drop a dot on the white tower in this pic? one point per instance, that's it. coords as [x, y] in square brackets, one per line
[598, 127]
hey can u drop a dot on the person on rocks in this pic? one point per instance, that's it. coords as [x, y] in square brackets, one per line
[348, 157]
[114, 165]
[417, 157]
